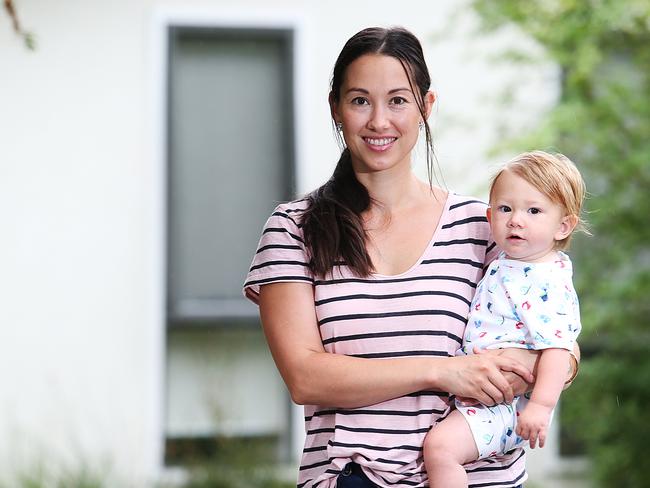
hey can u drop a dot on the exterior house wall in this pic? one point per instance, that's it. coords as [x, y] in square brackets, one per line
[82, 198]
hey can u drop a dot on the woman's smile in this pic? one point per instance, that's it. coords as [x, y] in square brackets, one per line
[380, 144]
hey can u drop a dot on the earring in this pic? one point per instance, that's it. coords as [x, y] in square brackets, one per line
[421, 125]
[339, 126]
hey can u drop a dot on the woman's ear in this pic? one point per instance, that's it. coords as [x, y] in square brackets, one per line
[429, 100]
[334, 112]
[567, 224]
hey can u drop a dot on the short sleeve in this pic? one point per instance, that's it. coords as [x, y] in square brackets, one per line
[550, 311]
[281, 255]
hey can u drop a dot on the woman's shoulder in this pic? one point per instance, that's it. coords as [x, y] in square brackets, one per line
[469, 205]
[466, 210]
[288, 214]
[281, 255]
[465, 222]
[293, 208]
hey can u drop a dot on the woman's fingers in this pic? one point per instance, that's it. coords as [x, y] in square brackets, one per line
[504, 387]
[517, 368]
[481, 377]
[505, 363]
[493, 395]
[486, 381]
[497, 387]
[493, 387]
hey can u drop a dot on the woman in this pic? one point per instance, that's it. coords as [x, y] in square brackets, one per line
[364, 286]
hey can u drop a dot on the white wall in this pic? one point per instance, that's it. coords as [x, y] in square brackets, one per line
[81, 340]
[82, 336]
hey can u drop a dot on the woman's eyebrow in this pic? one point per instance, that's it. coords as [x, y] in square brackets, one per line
[354, 89]
[395, 90]
[366, 92]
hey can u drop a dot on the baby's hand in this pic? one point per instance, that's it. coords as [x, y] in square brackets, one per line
[532, 424]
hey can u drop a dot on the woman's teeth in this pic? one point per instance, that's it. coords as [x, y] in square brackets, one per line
[380, 142]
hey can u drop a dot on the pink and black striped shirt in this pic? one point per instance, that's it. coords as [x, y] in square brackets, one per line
[420, 312]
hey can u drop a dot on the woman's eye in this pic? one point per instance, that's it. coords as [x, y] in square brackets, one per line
[398, 101]
[534, 210]
[359, 101]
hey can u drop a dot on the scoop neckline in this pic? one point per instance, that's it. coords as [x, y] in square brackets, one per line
[430, 243]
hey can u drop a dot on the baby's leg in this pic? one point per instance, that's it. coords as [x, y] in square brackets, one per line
[448, 446]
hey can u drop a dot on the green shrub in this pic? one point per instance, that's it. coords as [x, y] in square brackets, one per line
[602, 122]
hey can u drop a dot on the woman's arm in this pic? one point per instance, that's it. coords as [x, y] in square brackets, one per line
[314, 376]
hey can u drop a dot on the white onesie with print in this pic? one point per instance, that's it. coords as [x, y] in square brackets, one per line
[524, 305]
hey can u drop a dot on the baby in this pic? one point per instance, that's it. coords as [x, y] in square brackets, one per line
[526, 299]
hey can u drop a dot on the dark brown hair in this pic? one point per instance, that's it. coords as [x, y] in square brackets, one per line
[332, 223]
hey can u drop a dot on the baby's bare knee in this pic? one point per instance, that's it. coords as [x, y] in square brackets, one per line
[438, 449]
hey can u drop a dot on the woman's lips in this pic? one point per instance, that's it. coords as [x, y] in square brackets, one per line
[379, 144]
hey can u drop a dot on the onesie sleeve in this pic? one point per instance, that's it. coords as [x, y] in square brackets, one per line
[281, 254]
[549, 310]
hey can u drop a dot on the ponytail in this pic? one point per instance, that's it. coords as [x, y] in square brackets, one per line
[332, 223]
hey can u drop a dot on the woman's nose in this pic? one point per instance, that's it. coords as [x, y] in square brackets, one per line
[378, 119]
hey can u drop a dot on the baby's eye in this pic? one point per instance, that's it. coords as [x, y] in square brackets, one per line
[534, 210]
[359, 101]
[503, 208]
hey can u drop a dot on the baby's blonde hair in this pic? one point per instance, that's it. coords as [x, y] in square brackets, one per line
[555, 176]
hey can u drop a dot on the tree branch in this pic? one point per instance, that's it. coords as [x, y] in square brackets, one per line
[27, 36]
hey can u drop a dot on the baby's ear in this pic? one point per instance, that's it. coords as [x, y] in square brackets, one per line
[488, 214]
[567, 224]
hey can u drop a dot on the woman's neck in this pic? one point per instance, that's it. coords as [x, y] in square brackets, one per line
[396, 191]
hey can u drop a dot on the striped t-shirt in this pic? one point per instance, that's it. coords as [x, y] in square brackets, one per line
[420, 312]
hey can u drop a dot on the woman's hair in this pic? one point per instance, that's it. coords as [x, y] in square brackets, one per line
[332, 223]
[556, 177]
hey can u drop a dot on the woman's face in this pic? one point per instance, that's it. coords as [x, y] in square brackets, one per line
[379, 113]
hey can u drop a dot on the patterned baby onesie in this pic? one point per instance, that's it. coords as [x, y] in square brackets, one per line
[524, 305]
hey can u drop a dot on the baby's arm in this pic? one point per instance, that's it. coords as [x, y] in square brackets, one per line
[533, 422]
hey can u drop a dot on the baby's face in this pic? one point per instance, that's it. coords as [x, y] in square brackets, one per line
[525, 223]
